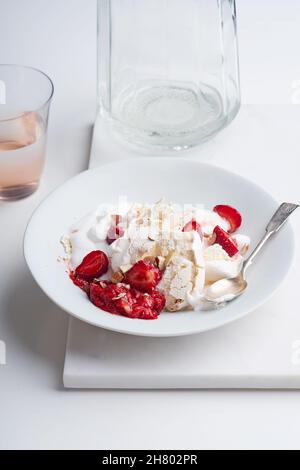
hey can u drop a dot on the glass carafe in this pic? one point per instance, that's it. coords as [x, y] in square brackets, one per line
[168, 72]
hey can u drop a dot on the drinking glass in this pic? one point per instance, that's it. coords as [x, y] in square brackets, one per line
[25, 97]
[168, 69]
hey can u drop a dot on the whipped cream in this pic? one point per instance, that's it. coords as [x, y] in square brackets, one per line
[89, 233]
[219, 265]
[190, 262]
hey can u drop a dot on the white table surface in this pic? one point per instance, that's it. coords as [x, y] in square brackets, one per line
[35, 410]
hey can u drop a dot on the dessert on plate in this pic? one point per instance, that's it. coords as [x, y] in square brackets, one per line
[137, 260]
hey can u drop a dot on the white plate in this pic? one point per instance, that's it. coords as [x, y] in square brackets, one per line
[149, 179]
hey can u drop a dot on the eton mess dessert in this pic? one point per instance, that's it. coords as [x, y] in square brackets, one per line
[137, 260]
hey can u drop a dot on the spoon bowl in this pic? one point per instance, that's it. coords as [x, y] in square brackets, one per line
[225, 290]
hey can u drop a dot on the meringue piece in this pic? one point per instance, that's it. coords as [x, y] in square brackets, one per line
[66, 243]
[187, 244]
[125, 251]
[184, 277]
[215, 252]
[177, 282]
[138, 248]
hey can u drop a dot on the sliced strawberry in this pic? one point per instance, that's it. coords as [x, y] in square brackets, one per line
[144, 313]
[125, 304]
[120, 300]
[113, 298]
[227, 243]
[159, 300]
[232, 216]
[155, 300]
[114, 233]
[93, 265]
[143, 276]
[102, 297]
[143, 299]
[139, 301]
[81, 283]
[193, 225]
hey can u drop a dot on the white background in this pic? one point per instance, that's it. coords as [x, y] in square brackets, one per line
[35, 411]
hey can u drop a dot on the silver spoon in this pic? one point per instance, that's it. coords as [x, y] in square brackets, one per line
[226, 290]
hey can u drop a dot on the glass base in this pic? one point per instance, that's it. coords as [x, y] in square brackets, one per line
[14, 193]
[169, 115]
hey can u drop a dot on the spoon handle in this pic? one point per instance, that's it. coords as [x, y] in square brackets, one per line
[281, 216]
[275, 224]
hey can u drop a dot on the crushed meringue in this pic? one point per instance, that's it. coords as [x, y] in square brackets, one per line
[190, 260]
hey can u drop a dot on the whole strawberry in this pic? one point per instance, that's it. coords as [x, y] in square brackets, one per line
[143, 276]
[93, 265]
